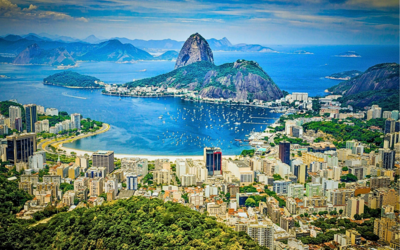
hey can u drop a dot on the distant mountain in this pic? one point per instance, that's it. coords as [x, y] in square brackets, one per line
[72, 80]
[165, 44]
[378, 85]
[169, 55]
[92, 39]
[195, 70]
[344, 76]
[33, 54]
[348, 54]
[225, 45]
[217, 45]
[195, 49]
[115, 51]
[12, 38]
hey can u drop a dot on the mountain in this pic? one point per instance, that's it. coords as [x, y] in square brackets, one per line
[378, 85]
[92, 39]
[72, 79]
[194, 50]
[165, 44]
[169, 55]
[12, 38]
[33, 54]
[241, 80]
[115, 51]
[344, 76]
[217, 45]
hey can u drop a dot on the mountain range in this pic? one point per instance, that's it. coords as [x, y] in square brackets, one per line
[117, 49]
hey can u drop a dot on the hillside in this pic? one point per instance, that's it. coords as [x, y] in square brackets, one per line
[33, 54]
[377, 85]
[344, 76]
[136, 223]
[241, 80]
[115, 51]
[72, 79]
[195, 49]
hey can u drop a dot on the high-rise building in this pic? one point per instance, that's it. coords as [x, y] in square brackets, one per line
[104, 159]
[313, 189]
[20, 147]
[395, 115]
[213, 160]
[18, 124]
[76, 121]
[30, 117]
[162, 176]
[301, 172]
[355, 205]
[96, 186]
[263, 234]
[132, 182]
[296, 191]
[281, 187]
[14, 113]
[390, 126]
[388, 159]
[386, 114]
[284, 152]
[188, 180]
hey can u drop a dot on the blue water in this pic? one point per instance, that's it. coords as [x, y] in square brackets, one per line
[136, 128]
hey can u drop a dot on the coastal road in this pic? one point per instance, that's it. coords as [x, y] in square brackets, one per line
[45, 144]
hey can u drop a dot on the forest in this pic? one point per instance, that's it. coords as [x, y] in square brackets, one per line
[72, 79]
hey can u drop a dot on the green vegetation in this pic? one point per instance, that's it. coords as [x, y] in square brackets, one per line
[277, 177]
[5, 109]
[342, 133]
[65, 187]
[247, 152]
[63, 158]
[250, 202]
[196, 72]
[299, 141]
[282, 203]
[72, 79]
[348, 178]
[247, 189]
[137, 223]
[387, 99]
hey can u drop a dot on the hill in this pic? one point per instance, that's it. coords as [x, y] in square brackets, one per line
[378, 85]
[136, 223]
[194, 50]
[344, 76]
[169, 55]
[72, 79]
[241, 80]
[33, 54]
[115, 51]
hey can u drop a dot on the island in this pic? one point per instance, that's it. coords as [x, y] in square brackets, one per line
[344, 76]
[70, 79]
[303, 52]
[348, 54]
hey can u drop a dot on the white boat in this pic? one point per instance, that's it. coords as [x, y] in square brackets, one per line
[160, 117]
[237, 123]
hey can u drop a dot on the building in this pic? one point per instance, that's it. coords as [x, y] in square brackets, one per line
[162, 164]
[37, 160]
[374, 112]
[390, 126]
[296, 191]
[395, 115]
[34, 179]
[18, 124]
[26, 186]
[30, 117]
[382, 228]
[357, 171]
[286, 222]
[313, 189]
[284, 152]
[14, 112]
[162, 177]
[76, 121]
[379, 182]
[354, 236]
[342, 239]
[74, 172]
[52, 112]
[188, 180]
[354, 206]
[261, 233]
[294, 243]
[339, 197]
[104, 159]
[281, 187]
[213, 160]
[132, 182]
[20, 147]
[297, 131]
[301, 172]
[388, 160]
[96, 186]
[111, 185]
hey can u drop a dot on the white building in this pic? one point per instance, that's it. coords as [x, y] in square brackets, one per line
[188, 180]
[52, 111]
[76, 121]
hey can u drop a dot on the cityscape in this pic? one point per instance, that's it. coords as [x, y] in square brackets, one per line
[194, 147]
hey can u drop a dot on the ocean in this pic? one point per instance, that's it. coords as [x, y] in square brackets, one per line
[185, 127]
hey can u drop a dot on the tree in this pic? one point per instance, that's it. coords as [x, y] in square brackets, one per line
[250, 202]
[345, 169]
[305, 214]
[228, 196]
[357, 217]
[348, 178]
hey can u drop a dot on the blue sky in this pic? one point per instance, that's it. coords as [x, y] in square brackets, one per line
[246, 21]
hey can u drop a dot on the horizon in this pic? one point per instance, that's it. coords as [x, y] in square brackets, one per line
[331, 22]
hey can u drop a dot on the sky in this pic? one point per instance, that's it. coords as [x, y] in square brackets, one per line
[266, 22]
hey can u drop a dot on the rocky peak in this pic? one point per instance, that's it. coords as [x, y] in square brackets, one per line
[194, 50]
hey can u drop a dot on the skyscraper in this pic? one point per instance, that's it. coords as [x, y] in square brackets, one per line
[389, 126]
[76, 121]
[31, 117]
[284, 152]
[395, 115]
[14, 113]
[388, 159]
[132, 182]
[213, 160]
[104, 159]
[20, 147]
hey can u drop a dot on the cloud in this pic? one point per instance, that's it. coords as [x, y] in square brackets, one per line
[14, 12]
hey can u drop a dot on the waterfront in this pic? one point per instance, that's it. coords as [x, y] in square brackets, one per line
[135, 124]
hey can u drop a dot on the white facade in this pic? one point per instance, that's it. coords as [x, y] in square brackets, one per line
[76, 121]
[52, 111]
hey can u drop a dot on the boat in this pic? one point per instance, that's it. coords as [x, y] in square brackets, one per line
[160, 117]
[237, 123]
